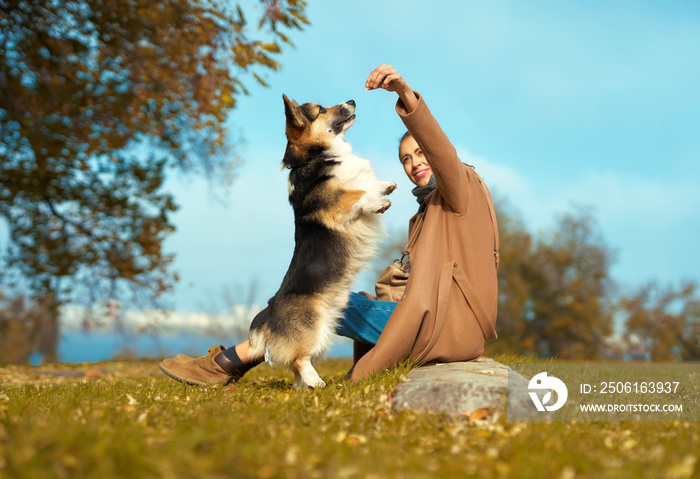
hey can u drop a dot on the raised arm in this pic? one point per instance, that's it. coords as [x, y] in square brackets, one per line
[450, 175]
[387, 78]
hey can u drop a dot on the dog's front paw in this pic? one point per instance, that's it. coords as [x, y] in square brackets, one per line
[382, 206]
[390, 186]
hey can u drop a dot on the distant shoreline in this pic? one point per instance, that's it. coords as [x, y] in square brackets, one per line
[79, 346]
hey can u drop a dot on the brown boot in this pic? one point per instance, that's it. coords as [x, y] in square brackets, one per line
[214, 368]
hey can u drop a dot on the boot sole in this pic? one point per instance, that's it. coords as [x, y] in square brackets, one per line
[182, 379]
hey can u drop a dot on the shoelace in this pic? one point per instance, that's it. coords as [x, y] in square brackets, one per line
[209, 353]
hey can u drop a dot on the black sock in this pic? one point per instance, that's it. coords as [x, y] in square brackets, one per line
[232, 356]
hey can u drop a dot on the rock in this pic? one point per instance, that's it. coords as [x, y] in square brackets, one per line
[458, 389]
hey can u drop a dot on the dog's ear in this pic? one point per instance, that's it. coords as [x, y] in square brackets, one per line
[294, 115]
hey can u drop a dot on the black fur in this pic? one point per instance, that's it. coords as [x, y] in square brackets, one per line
[320, 254]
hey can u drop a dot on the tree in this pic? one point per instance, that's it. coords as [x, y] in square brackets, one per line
[98, 100]
[572, 313]
[23, 328]
[664, 321]
[514, 287]
[554, 292]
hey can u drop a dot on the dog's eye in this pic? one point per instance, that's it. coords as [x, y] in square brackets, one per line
[321, 110]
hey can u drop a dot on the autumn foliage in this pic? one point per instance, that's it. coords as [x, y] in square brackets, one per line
[99, 100]
[662, 322]
[557, 299]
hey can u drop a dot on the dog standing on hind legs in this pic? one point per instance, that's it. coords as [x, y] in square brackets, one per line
[337, 200]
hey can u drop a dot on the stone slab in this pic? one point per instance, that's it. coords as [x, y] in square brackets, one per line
[457, 389]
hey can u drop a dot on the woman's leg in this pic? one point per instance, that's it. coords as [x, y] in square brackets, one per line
[242, 352]
[359, 349]
[364, 319]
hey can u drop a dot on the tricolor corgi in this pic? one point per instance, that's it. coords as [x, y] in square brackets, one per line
[337, 201]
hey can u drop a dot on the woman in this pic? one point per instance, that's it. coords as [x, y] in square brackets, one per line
[448, 310]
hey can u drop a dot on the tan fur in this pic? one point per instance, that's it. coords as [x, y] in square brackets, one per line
[339, 209]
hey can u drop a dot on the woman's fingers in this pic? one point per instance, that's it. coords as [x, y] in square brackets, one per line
[382, 77]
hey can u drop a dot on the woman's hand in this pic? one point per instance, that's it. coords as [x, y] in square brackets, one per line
[387, 78]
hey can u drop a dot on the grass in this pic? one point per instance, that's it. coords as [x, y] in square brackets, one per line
[126, 419]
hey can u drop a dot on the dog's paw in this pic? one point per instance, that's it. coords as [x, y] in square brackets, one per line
[303, 386]
[382, 206]
[319, 384]
[298, 384]
[389, 188]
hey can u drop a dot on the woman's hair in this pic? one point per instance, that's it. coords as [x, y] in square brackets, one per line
[403, 137]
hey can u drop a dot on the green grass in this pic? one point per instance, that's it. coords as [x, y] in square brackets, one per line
[126, 419]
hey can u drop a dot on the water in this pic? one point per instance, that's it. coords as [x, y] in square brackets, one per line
[79, 347]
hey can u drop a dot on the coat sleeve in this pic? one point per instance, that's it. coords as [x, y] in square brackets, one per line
[451, 178]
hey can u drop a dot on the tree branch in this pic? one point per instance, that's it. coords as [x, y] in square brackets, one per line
[67, 221]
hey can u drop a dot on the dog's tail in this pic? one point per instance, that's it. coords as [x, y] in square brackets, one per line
[287, 332]
[259, 333]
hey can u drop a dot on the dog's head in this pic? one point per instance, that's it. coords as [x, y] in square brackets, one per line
[313, 130]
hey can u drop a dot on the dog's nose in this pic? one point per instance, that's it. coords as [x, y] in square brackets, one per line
[351, 102]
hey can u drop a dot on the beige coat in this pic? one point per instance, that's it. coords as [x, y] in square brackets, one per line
[449, 309]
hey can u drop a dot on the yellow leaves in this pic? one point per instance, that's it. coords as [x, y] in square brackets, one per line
[79, 416]
[284, 395]
[356, 439]
[226, 99]
[568, 472]
[629, 444]
[131, 402]
[292, 455]
[260, 80]
[143, 417]
[351, 440]
[270, 47]
[130, 72]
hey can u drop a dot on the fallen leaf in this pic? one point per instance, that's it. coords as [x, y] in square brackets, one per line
[478, 414]
[142, 417]
[356, 439]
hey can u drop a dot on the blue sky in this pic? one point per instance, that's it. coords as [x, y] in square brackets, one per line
[556, 103]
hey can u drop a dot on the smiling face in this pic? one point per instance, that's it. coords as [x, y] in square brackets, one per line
[414, 163]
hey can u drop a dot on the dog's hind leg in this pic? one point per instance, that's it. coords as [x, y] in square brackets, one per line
[305, 376]
[297, 377]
